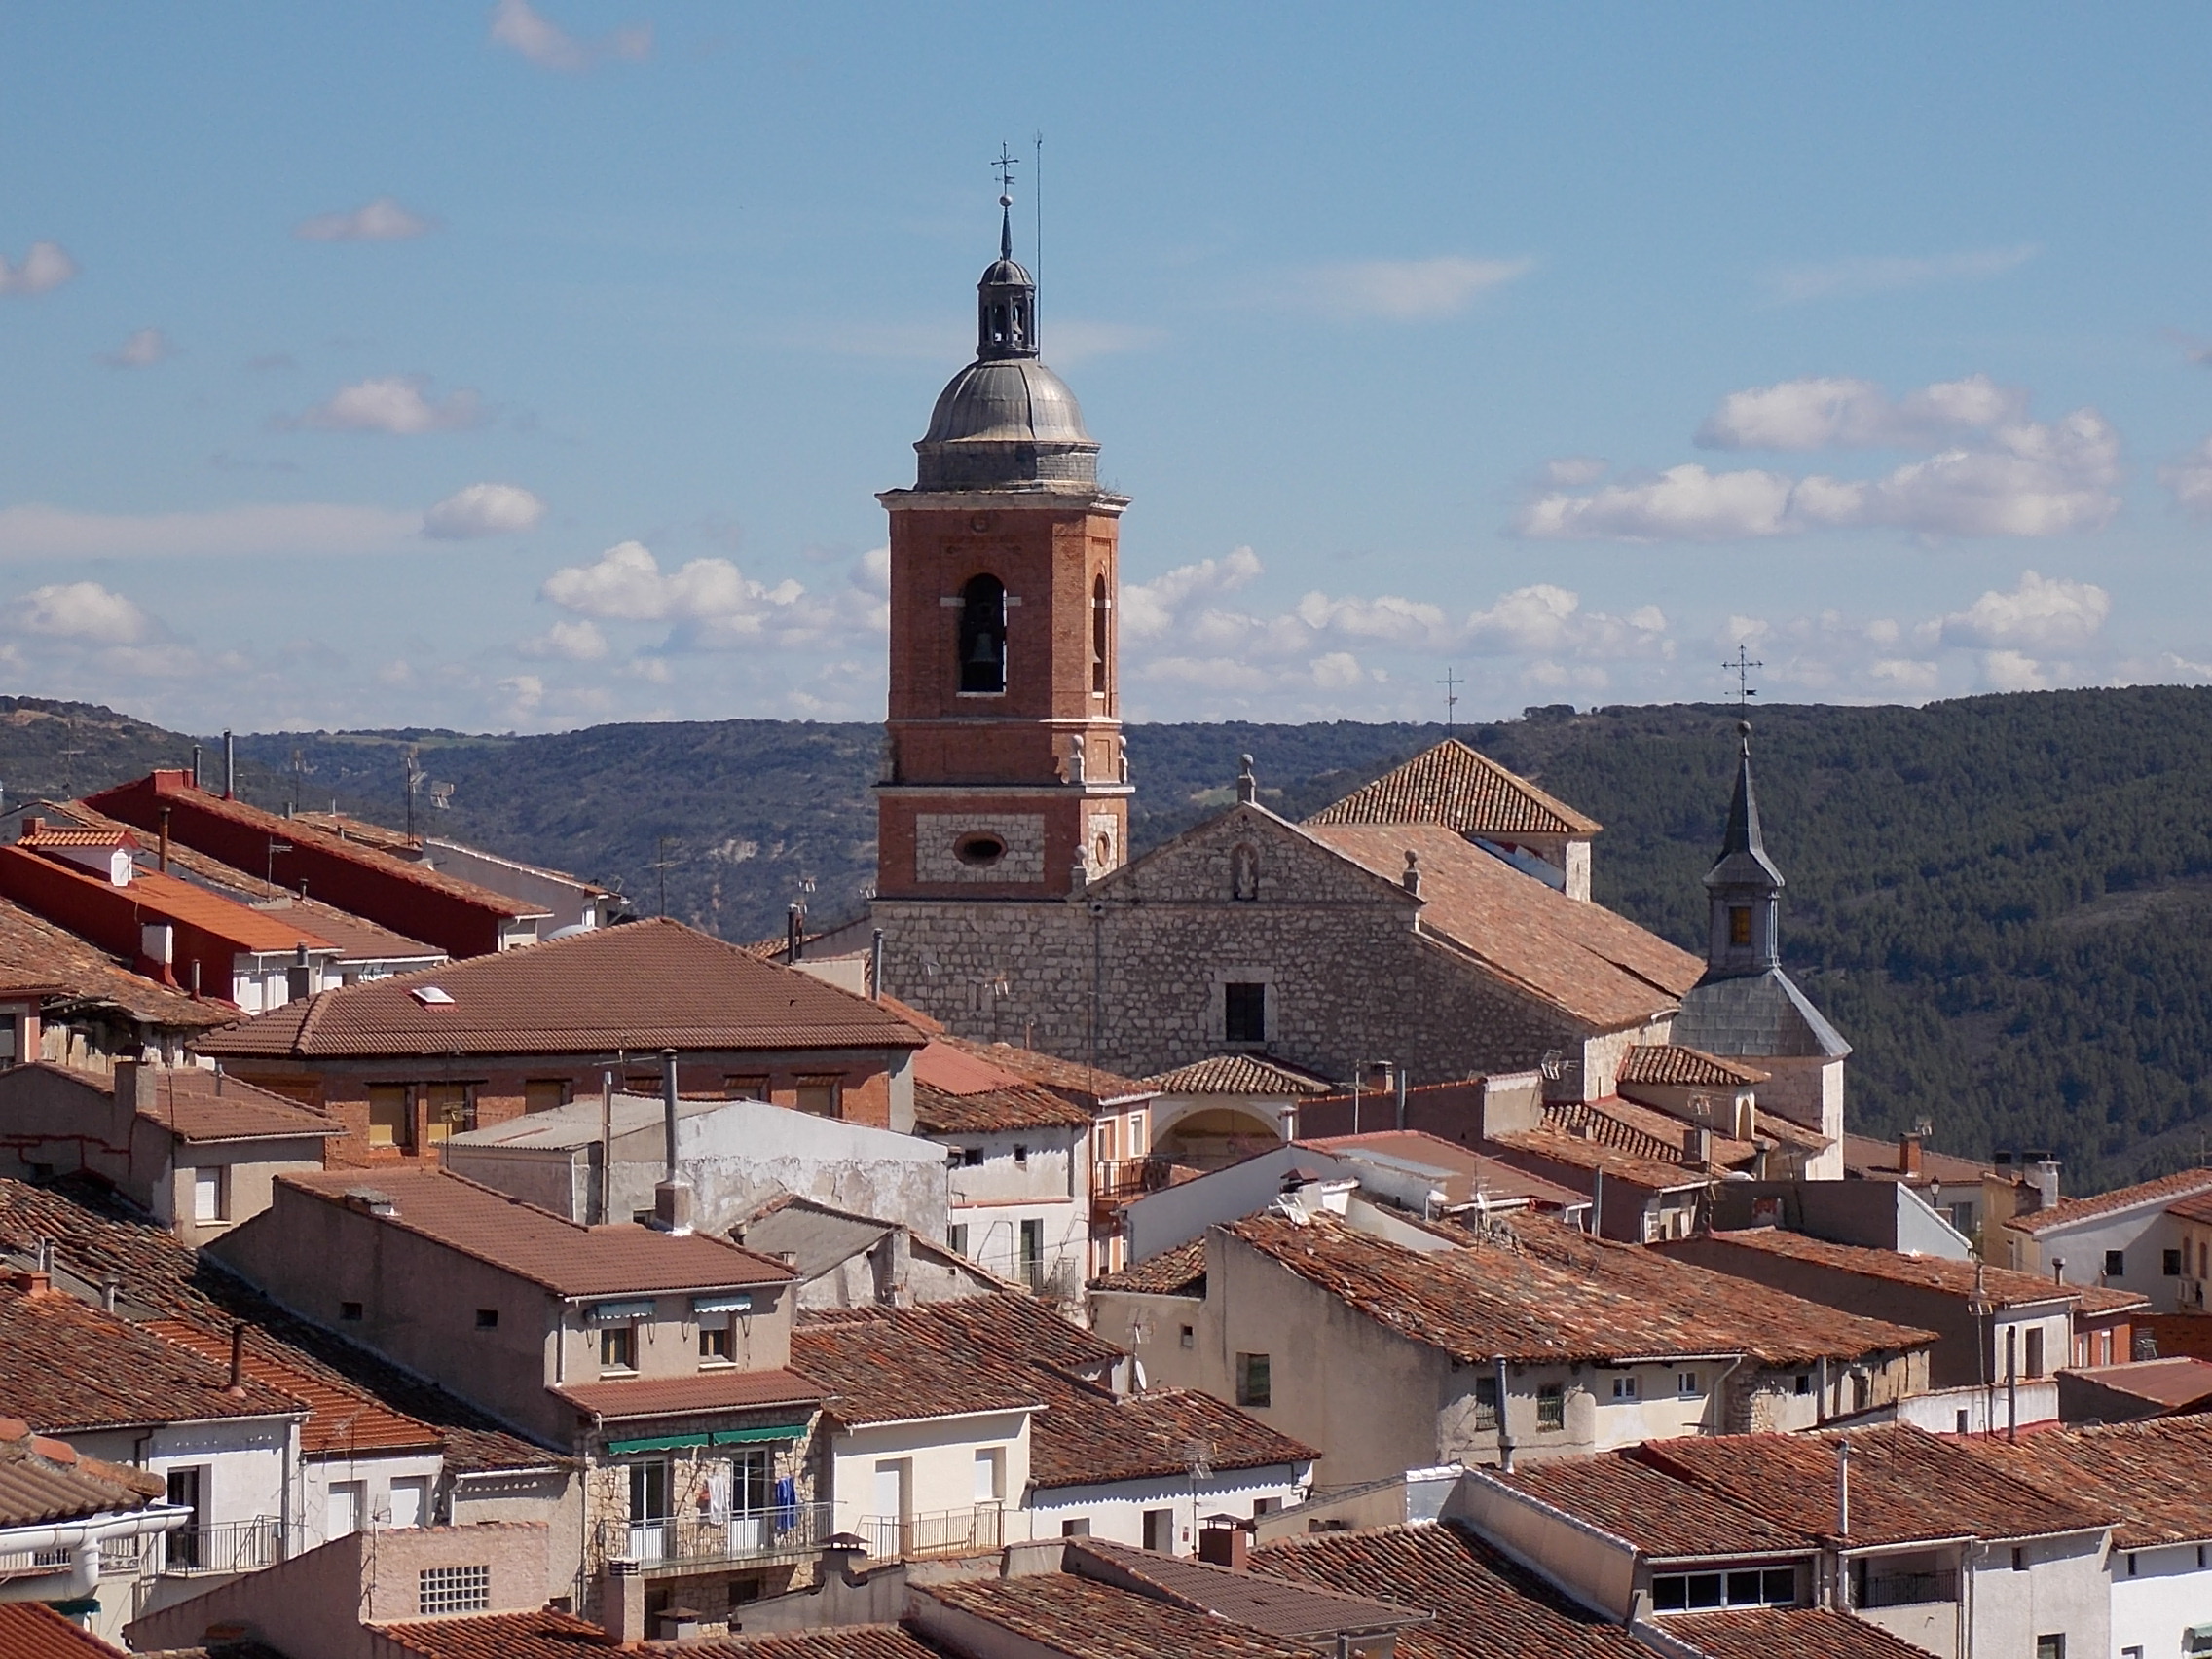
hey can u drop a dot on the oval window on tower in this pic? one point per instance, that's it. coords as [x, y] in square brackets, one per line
[978, 852]
[982, 635]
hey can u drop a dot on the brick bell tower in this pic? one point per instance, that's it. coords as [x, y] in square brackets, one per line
[1004, 775]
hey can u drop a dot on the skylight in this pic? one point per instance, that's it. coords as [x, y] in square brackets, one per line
[429, 996]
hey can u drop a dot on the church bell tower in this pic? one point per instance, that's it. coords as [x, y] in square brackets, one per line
[1004, 776]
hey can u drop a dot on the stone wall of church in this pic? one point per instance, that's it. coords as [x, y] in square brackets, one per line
[1147, 952]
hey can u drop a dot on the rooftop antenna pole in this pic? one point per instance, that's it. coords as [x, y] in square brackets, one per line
[1037, 188]
[1741, 667]
[1451, 683]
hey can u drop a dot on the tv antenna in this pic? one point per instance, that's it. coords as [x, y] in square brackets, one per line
[1037, 190]
[301, 770]
[415, 777]
[1741, 666]
[662, 865]
[1451, 683]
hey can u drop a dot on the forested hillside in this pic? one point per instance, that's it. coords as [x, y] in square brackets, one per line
[2002, 901]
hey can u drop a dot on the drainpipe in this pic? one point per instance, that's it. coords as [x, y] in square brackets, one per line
[875, 967]
[1598, 1204]
[1504, 1435]
[2013, 1382]
[672, 1199]
[1843, 1489]
[165, 841]
[230, 766]
[605, 1146]
[1401, 1070]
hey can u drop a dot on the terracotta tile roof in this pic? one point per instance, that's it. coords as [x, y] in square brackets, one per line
[640, 987]
[2175, 1382]
[43, 1481]
[1022, 1327]
[1180, 1272]
[345, 1421]
[1089, 1435]
[39, 835]
[889, 1365]
[847, 1641]
[170, 898]
[196, 1106]
[32, 1629]
[2003, 1286]
[1083, 1620]
[2197, 1208]
[500, 1636]
[699, 1392]
[2181, 1184]
[958, 1091]
[1869, 1158]
[1762, 1633]
[1906, 1486]
[1083, 1085]
[1645, 1131]
[1486, 1606]
[1557, 1145]
[1546, 1293]
[1599, 969]
[564, 1256]
[2155, 1476]
[1451, 785]
[1663, 1516]
[117, 1376]
[35, 955]
[1663, 1065]
[98, 1235]
[1467, 1171]
[1240, 1074]
[1774, 1127]
[1265, 1602]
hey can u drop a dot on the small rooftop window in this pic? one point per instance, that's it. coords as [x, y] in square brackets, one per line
[429, 996]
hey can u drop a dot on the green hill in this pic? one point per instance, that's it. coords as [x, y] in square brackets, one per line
[2002, 901]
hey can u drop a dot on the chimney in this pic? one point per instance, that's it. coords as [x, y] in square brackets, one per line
[134, 1085]
[1843, 1488]
[1221, 1543]
[893, 1261]
[111, 1287]
[1411, 878]
[1909, 1156]
[1504, 1435]
[2046, 1180]
[1247, 785]
[164, 853]
[39, 1283]
[622, 1602]
[1696, 1146]
[875, 967]
[236, 1386]
[296, 984]
[2058, 1269]
[196, 766]
[230, 767]
[794, 932]
[671, 1198]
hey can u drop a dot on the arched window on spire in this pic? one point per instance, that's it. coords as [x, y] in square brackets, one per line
[1099, 605]
[982, 635]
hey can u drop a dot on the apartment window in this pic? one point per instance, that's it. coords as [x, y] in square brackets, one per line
[2035, 1351]
[714, 1339]
[2115, 1262]
[990, 1475]
[649, 1491]
[971, 1157]
[1486, 1404]
[1079, 1528]
[819, 1095]
[342, 1509]
[209, 1193]
[391, 1115]
[350, 1311]
[1551, 1406]
[2172, 1264]
[1703, 1591]
[2019, 1559]
[1804, 1381]
[1101, 608]
[1961, 1219]
[1160, 1531]
[1136, 1135]
[452, 1589]
[618, 1347]
[1244, 1011]
[452, 1109]
[1264, 1506]
[1961, 1426]
[1862, 1390]
[1255, 1381]
[188, 1489]
[487, 1319]
[1188, 1336]
[2050, 1646]
[1626, 1387]
[1103, 1146]
[747, 1086]
[1739, 924]
[1032, 1251]
[1021, 1154]
[545, 1093]
[2131, 1563]
[956, 1236]
[1689, 1385]
[410, 1502]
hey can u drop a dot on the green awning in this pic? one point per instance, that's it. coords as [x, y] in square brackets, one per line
[657, 1443]
[773, 1431]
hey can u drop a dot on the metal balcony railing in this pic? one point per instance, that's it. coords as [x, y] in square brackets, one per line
[941, 1533]
[225, 1546]
[1909, 1589]
[709, 1538]
[1114, 1182]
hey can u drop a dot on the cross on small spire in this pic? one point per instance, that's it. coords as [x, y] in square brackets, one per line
[1006, 163]
[1741, 666]
[1451, 683]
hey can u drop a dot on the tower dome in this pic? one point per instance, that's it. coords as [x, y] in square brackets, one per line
[1005, 422]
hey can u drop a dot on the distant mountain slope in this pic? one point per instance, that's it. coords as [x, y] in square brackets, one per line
[2002, 901]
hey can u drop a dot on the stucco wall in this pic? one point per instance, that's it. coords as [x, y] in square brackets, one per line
[2063, 1590]
[1116, 1512]
[940, 1454]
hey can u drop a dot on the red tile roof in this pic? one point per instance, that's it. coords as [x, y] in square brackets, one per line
[2004, 1287]
[1599, 969]
[168, 897]
[346, 1421]
[44, 1481]
[1265, 1602]
[197, 1106]
[1240, 1074]
[498, 1636]
[38, 835]
[1870, 1158]
[35, 955]
[885, 1365]
[1762, 1633]
[1643, 1130]
[2196, 1208]
[2181, 1184]
[958, 1091]
[1083, 1620]
[2175, 1382]
[1906, 1486]
[1180, 1272]
[1083, 1085]
[1664, 1065]
[847, 1641]
[698, 1391]
[1663, 1516]
[1553, 1145]
[564, 1256]
[641, 987]
[1486, 1606]
[32, 1630]
[115, 1375]
[2155, 1476]
[1452, 784]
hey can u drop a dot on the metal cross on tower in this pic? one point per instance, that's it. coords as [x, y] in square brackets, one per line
[1741, 666]
[1451, 683]
[1006, 163]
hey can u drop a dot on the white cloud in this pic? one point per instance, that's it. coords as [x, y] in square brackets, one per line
[2189, 477]
[45, 266]
[2041, 613]
[483, 509]
[518, 26]
[575, 642]
[380, 220]
[82, 611]
[1819, 413]
[1407, 290]
[39, 532]
[710, 605]
[1848, 277]
[395, 404]
[141, 350]
[2011, 671]
[1572, 471]
[1150, 608]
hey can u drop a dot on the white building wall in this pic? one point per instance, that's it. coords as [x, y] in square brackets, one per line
[2169, 1591]
[1048, 1184]
[375, 1476]
[1115, 1511]
[940, 1454]
[2062, 1591]
[2142, 1236]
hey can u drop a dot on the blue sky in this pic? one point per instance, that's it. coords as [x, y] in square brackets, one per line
[530, 366]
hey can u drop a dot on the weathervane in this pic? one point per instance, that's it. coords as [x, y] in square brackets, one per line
[1741, 666]
[1451, 683]
[1006, 163]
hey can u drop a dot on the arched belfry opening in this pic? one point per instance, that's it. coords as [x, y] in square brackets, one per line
[1101, 606]
[982, 635]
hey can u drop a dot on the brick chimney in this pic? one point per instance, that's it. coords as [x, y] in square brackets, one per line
[134, 1085]
[1908, 1155]
[1222, 1544]
[622, 1604]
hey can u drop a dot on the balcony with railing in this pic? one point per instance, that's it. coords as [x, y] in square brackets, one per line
[224, 1546]
[940, 1533]
[710, 1539]
[1907, 1589]
[1114, 1182]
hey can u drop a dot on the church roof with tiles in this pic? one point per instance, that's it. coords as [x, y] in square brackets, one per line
[1451, 785]
[1239, 1074]
[1663, 1065]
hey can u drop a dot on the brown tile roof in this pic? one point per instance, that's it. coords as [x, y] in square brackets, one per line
[43, 1481]
[2004, 1287]
[195, 1105]
[1451, 785]
[884, 1365]
[959, 1091]
[847, 1641]
[1599, 969]
[346, 1421]
[564, 1256]
[1083, 1620]
[699, 1392]
[168, 897]
[1240, 1074]
[2181, 1184]
[640, 987]
[97, 1235]
[1645, 1131]
[2197, 1208]
[1180, 1272]
[1083, 1085]
[1762, 1633]
[1906, 1486]
[1265, 1602]
[500, 1636]
[1663, 1516]
[67, 1368]
[1089, 1435]
[1551, 1293]
[1556, 1146]
[1870, 1156]
[2155, 1476]
[2175, 1382]
[39, 835]
[1663, 1065]
[1774, 1127]
[1486, 1606]
[32, 1629]
[35, 955]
